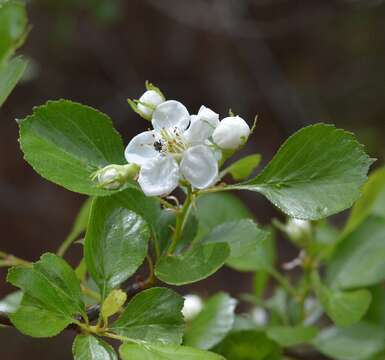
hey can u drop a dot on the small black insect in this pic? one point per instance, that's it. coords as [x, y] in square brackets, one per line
[158, 145]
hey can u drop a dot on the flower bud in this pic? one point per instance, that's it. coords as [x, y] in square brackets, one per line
[259, 316]
[231, 133]
[148, 102]
[299, 231]
[112, 177]
[192, 306]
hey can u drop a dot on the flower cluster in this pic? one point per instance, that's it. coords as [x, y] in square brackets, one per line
[181, 148]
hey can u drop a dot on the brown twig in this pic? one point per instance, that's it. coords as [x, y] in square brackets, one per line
[94, 310]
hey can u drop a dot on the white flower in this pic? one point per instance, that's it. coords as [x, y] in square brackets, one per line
[193, 305]
[149, 101]
[174, 150]
[231, 133]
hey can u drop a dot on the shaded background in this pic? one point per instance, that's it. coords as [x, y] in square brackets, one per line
[292, 62]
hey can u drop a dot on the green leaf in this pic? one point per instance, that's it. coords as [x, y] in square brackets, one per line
[164, 352]
[344, 307]
[244, 167]
[213, 322]
[246, 345]
[243, 238]
[13, 27]
[316, 173]
[88, 347]
[11, 302]
[52, 296]
[325, 238]
[147, 207]
[359, 258]
[218, 208]
[292, 335]
[154, 315]
[10, 75]
[66, 142]
[265, 255]
[115, 244]
[193, 265]
[372, 201]
[79, 226]
[34, 318]
[376, 311]
[358, 342]
[164, 230]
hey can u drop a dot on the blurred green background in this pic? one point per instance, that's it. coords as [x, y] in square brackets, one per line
[292, 63]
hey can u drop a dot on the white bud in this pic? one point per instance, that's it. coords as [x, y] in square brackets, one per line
[298, 230]
[149, 101]
[231, 133]
[113, 176]
[193, 305]
[259, 315]
[108, 179]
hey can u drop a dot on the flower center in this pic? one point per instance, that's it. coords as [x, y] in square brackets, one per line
[171, 142]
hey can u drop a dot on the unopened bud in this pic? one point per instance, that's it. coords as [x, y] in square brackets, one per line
[299, 231]
[231, 133]
[147, 103]
[112, 177]
[193, 305]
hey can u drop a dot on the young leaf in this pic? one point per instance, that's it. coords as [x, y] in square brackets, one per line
[292, 335]
[88, 347]
[13, 27]
[10, 75]
[244, 167]
[113, 303]
[344, 307]
[153, 315]
[115, 244]
[359, 259]
[165, 352]
[317, 172]
[66, 142]
[193, 265]
[243, 238]
[358, 342]
[247, 345]
[213, 322]
[52, 296]
[372, 201]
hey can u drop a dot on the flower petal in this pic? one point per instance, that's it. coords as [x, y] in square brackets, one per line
[199, 166]
[159, 176]
[170, 114]
[141, 148]
[202, 126]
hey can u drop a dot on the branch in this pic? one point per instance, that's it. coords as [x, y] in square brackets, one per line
[94, 310]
